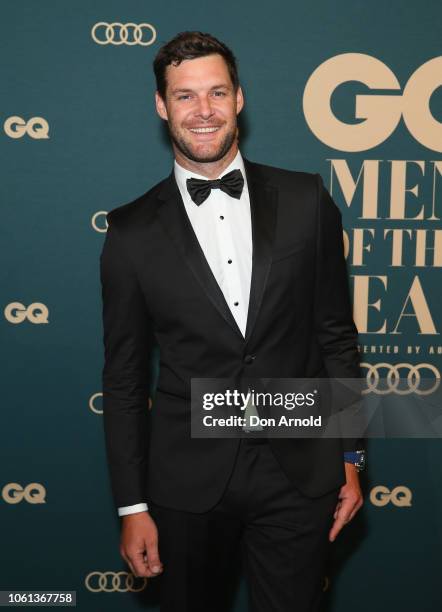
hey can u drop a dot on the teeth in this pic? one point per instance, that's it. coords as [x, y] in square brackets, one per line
[204, 130]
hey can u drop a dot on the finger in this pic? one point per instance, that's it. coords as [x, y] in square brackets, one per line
[355, 510]
[137, 563]
[149, 573]
[341, 519]
[146, 573]
[127, 560]
[153, 559]
[344, 516]
[336, 528]
[338, 506]
[131, 567]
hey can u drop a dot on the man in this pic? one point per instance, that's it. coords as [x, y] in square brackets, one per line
[239, 276]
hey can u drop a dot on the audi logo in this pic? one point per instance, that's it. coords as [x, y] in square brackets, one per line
[116, 33]
[412, 375]
[114, 582]
[99, 221]
[92, 403]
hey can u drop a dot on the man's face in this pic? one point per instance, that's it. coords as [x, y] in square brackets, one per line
[201, 107]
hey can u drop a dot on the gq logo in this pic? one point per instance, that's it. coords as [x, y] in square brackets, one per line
[37, 313]
[379, 113]
[36, 127]
[33, 493]
[399, 496]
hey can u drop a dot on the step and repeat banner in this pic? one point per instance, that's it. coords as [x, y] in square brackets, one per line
[349, 89]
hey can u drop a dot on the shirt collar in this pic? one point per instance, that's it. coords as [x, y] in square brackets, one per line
[182, 174]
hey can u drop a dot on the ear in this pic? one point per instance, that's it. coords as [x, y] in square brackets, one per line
[160, 106]
[239, 100]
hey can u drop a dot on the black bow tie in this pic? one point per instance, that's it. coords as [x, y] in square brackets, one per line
[231, 183]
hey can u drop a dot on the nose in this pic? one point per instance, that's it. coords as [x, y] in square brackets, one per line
[204, 110]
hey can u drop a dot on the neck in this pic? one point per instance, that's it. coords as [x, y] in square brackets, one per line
[210, 170]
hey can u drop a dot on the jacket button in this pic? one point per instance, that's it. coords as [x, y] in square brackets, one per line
[249, 359]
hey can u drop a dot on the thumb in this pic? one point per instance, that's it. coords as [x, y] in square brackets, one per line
[152, 557]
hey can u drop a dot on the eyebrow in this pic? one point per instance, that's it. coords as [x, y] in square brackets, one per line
[187, 90]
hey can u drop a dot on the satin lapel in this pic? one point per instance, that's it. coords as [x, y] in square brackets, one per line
[263, 210]
[173, 217]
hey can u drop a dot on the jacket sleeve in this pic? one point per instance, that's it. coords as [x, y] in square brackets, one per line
[126, 377]
[335, 328]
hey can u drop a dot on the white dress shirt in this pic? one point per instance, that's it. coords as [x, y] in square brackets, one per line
[223, 227]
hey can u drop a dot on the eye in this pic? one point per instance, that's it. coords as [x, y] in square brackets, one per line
[219, 94]
[184, 97]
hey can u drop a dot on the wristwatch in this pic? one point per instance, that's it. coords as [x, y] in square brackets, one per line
[357, 458]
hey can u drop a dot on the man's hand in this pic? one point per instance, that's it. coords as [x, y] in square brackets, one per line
[350, 500]
[139, 544]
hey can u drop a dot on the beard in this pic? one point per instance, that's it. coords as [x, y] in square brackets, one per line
[186, 148]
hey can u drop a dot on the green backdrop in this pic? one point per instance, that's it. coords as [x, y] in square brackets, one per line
[98, 144]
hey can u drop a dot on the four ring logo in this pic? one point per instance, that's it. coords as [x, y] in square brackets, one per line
[399, 496]
[114, 582]
[100, 215]
[116, 33]
[378, 113]
[92, 403]
[36, 127]
[33, 493]
[413, 376]
[15, 312]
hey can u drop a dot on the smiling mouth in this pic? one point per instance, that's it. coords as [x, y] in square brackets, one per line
[204, 130]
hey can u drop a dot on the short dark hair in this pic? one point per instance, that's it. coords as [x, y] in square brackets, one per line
[190, 45]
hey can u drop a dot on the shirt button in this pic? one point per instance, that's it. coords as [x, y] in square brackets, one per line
[221, 217]
[229, 261]
[248, 359]
[235, 303]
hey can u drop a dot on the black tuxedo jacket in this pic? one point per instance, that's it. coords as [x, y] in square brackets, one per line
[159, 292]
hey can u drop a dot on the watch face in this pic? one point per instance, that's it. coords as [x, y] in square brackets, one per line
[361, 461]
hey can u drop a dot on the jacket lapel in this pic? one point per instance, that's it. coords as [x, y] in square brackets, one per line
[175, 222]
[263, 210]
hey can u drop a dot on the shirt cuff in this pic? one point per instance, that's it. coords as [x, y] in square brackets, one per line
[132, 509]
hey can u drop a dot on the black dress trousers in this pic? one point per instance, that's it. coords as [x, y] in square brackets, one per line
[279, 535]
